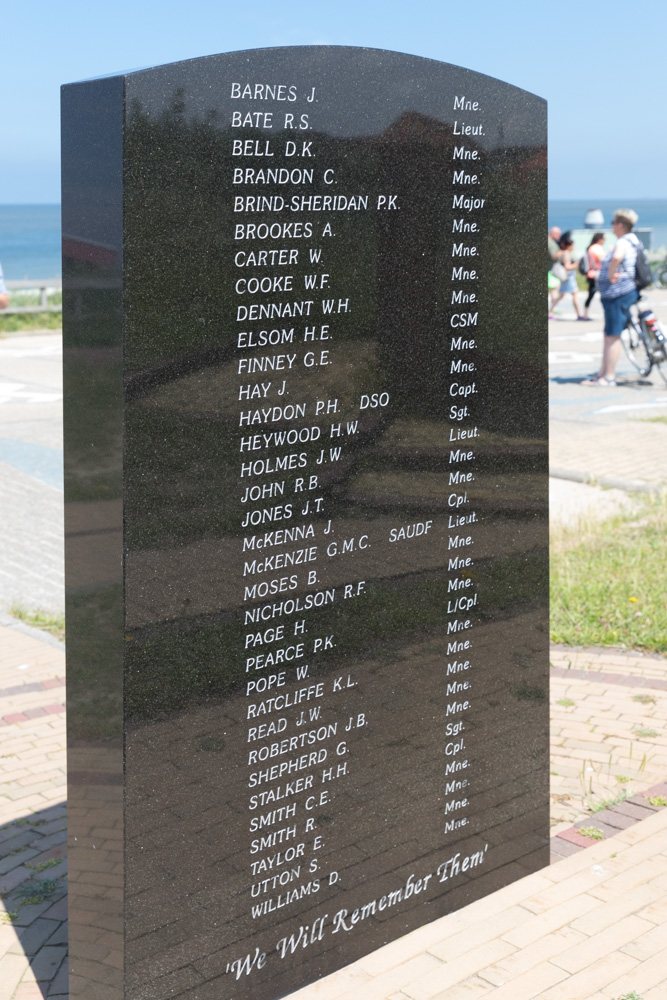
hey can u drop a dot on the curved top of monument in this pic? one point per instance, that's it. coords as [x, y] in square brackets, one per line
[364, 89]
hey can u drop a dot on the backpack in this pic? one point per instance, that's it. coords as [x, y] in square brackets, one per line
[643, 273]
[584, 266]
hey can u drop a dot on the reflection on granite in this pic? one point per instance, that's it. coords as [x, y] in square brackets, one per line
[307, 556]
[93, 418]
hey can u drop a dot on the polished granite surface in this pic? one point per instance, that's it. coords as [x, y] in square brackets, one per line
[306, 474]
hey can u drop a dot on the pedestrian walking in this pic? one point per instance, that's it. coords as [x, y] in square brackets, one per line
[556, 272]
[4, 295]
[618, 291]
[569, 285]
[594, 257]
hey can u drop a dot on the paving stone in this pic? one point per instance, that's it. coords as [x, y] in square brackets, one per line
[12, 879]
[15, 860]
[635, 811]
[573, 837]
[53, 840]
[12, 969]
[60, 982]
[58, 911]
[60, 934]
[660, 789]
[32, 938]
[641, 801]
[614, 820]
[55, 825]
[47, 961]
[28, 991]
[597, 823]
[597, 946]
[27, 914]
[562, 848]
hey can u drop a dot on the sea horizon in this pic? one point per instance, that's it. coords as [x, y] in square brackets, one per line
[30, 237]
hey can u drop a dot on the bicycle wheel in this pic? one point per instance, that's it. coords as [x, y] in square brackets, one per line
[662, 368]
[659, 354]
[660, 276]
[636, 347]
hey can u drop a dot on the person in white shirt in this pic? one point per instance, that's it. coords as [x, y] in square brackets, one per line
[618, 291]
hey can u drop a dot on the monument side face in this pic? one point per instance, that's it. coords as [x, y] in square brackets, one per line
[92, 225]
[328, 385]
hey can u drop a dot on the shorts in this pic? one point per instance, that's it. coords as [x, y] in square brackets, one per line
[616, 312]
[570, 283]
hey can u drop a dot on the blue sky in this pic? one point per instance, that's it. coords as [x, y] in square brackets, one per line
[599, 65]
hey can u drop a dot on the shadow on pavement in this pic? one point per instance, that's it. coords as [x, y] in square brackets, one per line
[622, 382]
[33, 889]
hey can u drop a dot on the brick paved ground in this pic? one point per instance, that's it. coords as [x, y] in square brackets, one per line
[33, 819]
[592, 926]
[608, 729]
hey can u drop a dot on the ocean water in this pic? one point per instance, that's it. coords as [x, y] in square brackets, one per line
[30, 234]
[30, 241]
[570, 214]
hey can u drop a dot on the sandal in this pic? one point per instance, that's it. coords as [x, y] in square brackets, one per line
[598, 380]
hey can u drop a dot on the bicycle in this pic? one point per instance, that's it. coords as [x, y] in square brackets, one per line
[644, 341]
[659, 270]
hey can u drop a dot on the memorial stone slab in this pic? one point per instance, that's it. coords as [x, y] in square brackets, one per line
[306, 512]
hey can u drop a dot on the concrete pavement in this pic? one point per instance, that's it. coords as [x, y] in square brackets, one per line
[31, 477]
[616, 435]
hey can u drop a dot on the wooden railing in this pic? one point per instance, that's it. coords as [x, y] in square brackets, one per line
[42, 286]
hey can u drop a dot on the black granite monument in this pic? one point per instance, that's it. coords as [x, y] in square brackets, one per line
[306, 493]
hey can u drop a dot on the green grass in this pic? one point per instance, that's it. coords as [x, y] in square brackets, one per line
[31, 893]
[609, 581]
[17, 322]
[592, 832]
[37, 892]
[611, 801]
[43, 865]
[54, 624]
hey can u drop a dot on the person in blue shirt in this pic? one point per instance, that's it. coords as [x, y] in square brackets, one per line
[618, 291]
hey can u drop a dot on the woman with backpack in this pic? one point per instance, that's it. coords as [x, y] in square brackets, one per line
[569, 285]
[618, 291]
[593, 262]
